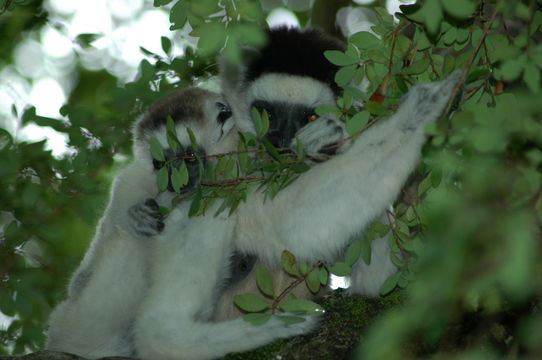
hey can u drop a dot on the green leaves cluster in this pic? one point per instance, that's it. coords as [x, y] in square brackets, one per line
[230, 177]
[50, 205]
[223, 25]
[270, 303]
[464, 230]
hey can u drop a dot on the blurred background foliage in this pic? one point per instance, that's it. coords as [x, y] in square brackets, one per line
[467, 235]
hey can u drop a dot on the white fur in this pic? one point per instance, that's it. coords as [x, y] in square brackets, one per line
[96, 319]
[174, 320]
[190, 262]
[290, 89]
[154, 297]
[171, 305]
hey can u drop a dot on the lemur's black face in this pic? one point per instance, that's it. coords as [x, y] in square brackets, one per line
[285, 119]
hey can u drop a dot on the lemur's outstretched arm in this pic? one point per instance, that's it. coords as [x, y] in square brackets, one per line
[316, 215]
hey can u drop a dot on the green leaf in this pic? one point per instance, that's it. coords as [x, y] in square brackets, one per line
[162, 179]
[424, 185]
[421, 38]
[461, 9]
[476, 74]
[340, 269]
[204, 8]
[257, 120]
[271, 150]
[170, 125]
[264, 281]
[173, 143]
[366, 249]
[300, 150]
[345, 75]
[303, 268]
[230, 169]
[358, 77]
[380, 229]
[265, 123]
[313, 280]
[327, 109]
[432, 15]
[417, 67]
[511, 69]
[531, 76]
[499, 47]
[257, 319]
[177, 14]
[156, 150]
[302, 306]
[251, 302]
[166, 44]
[86, 40]
[339, 58]
[7, 305]
[323, 275]
[250, 34]
[158, 3]
[410, 214]
[450, 36]
[353, 252]
[365, 40]
[193, 141]
[289, 263]
[196, 204]
[300, 167]
[389, 284]
[436, 177]
[212, 37]
[290, 319]
[357, 122]
[242, 157]
[6, 140]
[462, 35]
[179, 177]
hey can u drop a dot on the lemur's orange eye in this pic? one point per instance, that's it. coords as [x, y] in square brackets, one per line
[313, 117]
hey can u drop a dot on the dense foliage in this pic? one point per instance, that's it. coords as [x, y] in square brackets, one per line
[466, 233]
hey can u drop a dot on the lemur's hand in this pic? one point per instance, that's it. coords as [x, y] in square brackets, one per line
[321, 137]
[424, 103]
[145, 218]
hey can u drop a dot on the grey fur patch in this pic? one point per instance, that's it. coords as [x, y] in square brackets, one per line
[181, 105]
[79, 282]
[241, 265]
[145, 218]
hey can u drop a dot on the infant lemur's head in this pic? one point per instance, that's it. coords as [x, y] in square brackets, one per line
[204, 112]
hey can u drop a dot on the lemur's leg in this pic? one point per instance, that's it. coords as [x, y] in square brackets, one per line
[191, 263]
[106, 290]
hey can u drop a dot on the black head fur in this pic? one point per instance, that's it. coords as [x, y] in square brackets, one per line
[297, 52]
[180, 105]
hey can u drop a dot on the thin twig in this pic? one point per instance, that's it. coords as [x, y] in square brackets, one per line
[394, 35]
[468, 66]
[293, 284]
[6, 6]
